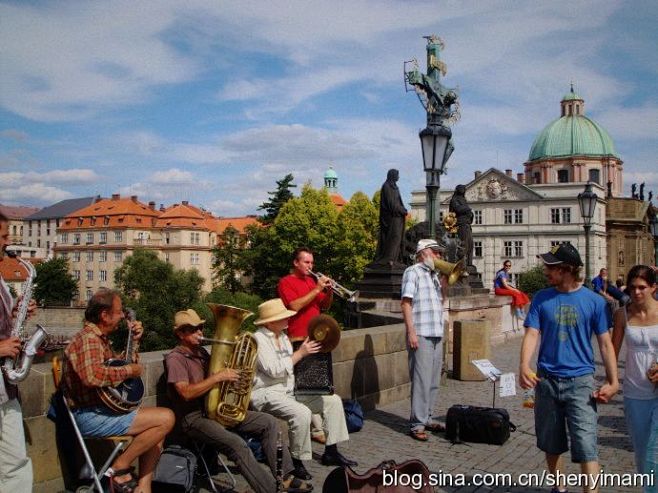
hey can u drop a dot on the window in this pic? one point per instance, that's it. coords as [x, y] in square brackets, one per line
[477, 217]
[563, 176]
[76, 256]
[90, 256]
[513, 248]
[38, 243]
[76, 239]
[507, 215]
[106, 220]
[102, 275]
[48, 232]
[195, 238]
[167, 257]
[518, 216]
[118, 236]
[102, 256]
[103, 237]
[90, 238]
[194, 258]
[118, 256]
[90, 275]
[63, 255]
[89, 294]
[536, 178]
[555, 216]
[595, 176]
[76, 275]
[566, 215]
[47, 245]
[167, 238]
[477, 249]
[65, 238]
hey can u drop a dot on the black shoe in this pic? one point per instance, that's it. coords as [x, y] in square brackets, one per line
[300, 472]
[337, 459]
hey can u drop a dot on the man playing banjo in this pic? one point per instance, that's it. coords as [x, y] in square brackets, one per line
[85, 372]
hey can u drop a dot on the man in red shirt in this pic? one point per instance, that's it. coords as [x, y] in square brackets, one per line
[302, 293]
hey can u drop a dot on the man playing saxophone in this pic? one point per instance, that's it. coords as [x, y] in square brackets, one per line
[187, 369]
[15, 465]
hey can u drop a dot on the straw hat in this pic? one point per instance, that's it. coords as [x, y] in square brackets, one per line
[187, 317]
[271, 311]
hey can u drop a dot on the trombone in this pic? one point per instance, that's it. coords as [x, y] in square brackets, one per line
[340, 291]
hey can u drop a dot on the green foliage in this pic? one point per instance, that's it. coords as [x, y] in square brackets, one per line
[54, 284]
[156, 291]
[280, 196]
[242, 300]
[356, 240]
[227, 261]
[533, 280]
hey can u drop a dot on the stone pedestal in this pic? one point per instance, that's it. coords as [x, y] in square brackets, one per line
[381, 281]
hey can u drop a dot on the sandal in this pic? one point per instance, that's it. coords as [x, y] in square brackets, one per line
[435, 428]
[295, 485]
[125, 486]
[419, 435]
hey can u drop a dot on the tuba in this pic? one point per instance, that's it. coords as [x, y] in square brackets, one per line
[16, 370]
[228, 402]
[453, 271]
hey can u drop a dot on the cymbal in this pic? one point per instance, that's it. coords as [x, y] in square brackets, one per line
[325, 330]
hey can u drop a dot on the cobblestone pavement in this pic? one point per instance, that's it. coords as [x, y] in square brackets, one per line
[384, 437]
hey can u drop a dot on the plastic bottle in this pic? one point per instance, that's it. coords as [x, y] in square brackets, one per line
[529, 396]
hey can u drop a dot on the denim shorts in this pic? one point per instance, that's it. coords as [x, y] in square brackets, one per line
[99, 421]
[566, 403]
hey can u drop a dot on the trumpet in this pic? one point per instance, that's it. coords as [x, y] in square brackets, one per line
[340, 291]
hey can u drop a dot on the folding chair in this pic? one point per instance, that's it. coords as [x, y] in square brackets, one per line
[88, 470]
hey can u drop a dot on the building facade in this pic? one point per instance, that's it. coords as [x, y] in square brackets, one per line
[16, 216]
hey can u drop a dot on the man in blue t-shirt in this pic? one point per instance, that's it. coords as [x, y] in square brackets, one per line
[562, 320]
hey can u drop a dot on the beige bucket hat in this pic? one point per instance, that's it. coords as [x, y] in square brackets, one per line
[187, 317]
[271, 311]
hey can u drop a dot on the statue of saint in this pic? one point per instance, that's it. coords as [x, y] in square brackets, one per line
[462, 210]
[392, 214]
[642, 191]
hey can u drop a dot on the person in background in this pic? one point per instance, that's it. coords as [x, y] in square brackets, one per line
[503, 287]
[562, 320]
[602, 285]
[637, 322]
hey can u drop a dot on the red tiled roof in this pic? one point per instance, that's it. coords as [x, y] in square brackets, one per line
[239, 223]
[186, 216]
[337, 200]
[112, 213]
[17, 212]
[12, 271]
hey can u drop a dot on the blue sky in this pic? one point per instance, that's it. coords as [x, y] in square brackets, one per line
[212, 101]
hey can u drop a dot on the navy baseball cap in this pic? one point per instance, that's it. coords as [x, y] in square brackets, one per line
[564, 253]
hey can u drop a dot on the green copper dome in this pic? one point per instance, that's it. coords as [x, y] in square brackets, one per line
[573, 134]
[330, 173]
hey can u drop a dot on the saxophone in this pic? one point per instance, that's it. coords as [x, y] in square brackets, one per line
[228, 401]
[16, 370]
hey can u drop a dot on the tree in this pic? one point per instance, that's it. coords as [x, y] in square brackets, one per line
[156, 291]
[278, 198]
[242, 300]
[54, 284]
[532, 280]
[227, 260]
[356, 239]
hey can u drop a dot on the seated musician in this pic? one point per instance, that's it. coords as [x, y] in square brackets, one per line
[84, 373]
[187, 366]
[274, 384]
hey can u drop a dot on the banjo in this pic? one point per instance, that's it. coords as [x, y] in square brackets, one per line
[127, 395]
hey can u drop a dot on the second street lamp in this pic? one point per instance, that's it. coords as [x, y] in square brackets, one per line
[434, 141]
[587, 201]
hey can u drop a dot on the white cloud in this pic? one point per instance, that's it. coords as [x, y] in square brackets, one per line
[33, 193]
[173, 176]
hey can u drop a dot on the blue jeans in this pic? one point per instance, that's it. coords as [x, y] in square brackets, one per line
[566, 403]
[99, 421]
[425, 375]
[642, 422]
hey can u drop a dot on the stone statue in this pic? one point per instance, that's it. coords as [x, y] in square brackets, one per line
[650, 196]
[642, 191]
[609, 184]
[633, 190]
[462, 210]
[392, 214]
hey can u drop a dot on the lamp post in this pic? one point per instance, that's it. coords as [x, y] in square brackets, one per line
[436, 137]
[587, 201]
[654, 232]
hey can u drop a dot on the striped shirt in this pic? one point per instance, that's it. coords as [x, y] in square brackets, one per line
[423, 287]
[85, 371]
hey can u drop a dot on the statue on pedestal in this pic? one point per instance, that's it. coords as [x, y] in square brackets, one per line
[464, 214]
[392, 215]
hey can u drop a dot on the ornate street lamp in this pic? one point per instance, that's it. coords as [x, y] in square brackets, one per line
[653, 224]
[442, 110]
[587, 201]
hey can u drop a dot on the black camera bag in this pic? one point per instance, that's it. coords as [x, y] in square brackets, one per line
[478, 424]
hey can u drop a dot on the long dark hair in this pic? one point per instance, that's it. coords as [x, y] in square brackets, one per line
[644, 272]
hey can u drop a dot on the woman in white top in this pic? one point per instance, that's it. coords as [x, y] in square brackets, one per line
[638, 324]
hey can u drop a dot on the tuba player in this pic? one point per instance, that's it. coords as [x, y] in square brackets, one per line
[187, 366]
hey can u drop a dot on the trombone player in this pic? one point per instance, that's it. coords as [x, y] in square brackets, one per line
[423, 292]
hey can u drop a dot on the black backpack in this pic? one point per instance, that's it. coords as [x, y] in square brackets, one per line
[175, 471]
